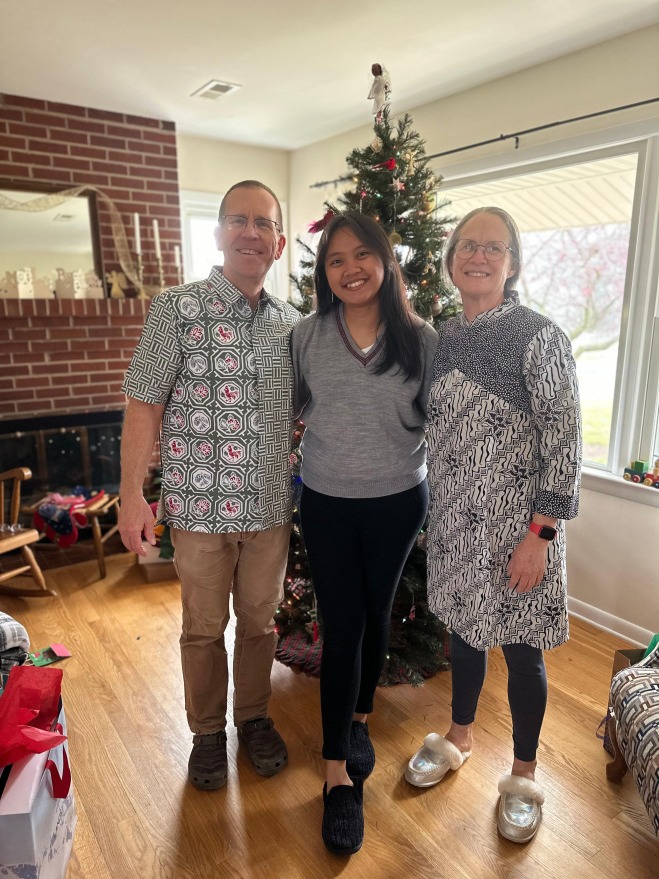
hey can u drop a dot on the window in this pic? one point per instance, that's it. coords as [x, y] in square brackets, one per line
[587, 219]
[199, 212]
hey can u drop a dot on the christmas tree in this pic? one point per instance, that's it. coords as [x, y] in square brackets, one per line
[393, 184]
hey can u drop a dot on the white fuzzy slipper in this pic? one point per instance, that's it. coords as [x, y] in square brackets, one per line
[431, 762]
[520, 808]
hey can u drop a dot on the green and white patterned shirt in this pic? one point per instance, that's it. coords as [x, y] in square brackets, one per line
[224, 374]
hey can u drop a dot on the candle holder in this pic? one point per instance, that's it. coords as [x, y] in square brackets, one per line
[140, 278]
[161, 274]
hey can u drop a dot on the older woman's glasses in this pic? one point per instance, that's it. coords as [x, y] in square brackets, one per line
[237, 223]
[493, 251]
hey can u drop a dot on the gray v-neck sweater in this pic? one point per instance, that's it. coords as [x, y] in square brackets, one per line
[364, 432]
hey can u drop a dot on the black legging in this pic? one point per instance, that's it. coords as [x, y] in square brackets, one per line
[527, 689]
[356, 549]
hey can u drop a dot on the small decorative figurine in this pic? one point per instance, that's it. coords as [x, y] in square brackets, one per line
[380, 90]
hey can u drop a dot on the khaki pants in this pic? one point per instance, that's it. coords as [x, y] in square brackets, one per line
[251, 564]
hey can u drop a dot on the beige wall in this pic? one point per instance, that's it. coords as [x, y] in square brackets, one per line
[612, 566]
[213, 166]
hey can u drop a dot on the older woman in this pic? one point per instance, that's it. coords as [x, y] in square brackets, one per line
[504, 449]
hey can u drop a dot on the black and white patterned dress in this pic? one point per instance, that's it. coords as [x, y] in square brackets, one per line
[504, 441]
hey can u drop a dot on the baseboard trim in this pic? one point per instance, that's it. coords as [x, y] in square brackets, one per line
[609, 623]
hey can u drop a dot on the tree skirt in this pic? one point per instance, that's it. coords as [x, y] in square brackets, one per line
[297, 651]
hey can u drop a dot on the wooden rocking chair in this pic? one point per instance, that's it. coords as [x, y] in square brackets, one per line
[13, 536]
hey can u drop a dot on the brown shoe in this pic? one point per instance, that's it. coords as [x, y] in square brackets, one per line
[207, 766]
[265, 746]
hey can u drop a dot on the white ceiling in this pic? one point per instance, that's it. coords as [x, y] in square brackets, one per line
[304, 66]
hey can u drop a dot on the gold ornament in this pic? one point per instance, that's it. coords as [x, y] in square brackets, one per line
[428, 201]
[409, 158]
[376, 144]
[395, 239]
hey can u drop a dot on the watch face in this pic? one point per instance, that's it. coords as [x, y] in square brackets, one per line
[543, 531]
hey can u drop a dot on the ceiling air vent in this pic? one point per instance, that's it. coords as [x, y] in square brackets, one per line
[215, 89]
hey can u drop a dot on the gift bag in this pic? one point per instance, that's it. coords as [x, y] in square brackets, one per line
[37, 810]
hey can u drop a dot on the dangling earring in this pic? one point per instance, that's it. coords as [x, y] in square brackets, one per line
[332, 297]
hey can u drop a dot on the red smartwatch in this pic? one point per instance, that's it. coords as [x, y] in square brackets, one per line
[543, 531]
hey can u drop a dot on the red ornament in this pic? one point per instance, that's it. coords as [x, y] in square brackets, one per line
[389, 165]
[319, 225]
[362, 194]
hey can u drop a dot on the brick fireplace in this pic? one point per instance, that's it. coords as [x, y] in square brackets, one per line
[61, 368]
[62, 362]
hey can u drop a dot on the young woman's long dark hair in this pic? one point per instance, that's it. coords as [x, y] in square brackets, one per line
[403, 345]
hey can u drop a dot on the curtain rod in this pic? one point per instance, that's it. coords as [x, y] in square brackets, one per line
[516, 135]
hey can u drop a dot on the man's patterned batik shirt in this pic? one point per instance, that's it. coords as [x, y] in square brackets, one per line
[224, 374]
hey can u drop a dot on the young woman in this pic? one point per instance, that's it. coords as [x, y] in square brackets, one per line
[363, 367]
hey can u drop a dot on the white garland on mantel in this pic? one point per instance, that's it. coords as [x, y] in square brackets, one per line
[54, 199]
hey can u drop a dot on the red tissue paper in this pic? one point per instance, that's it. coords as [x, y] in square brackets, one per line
[29, 707]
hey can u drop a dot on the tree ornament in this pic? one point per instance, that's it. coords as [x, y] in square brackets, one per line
[436, 306]
[319, 225]
[409, 158]
[380, 90]
[376, 144]
[388, 165]
[395, 239]
[428, 201]
[397, 185]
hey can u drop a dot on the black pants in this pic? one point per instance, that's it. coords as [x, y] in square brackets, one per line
[527, 689]
[356, 549]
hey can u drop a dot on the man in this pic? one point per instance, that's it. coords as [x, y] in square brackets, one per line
[212, 373]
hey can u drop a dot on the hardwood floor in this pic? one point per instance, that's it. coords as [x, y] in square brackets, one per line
[138, 817]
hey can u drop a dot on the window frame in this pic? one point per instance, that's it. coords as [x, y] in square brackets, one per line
[636, 392]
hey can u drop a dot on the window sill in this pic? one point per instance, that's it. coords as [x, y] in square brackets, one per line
[616, 486]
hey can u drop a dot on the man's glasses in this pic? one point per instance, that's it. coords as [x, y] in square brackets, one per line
[238, 223]
[492, 250]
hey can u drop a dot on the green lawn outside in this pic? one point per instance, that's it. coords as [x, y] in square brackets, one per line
[596, 431]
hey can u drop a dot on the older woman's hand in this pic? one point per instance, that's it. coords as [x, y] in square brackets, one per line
[527, 564]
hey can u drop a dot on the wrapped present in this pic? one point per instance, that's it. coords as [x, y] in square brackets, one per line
[37, 809]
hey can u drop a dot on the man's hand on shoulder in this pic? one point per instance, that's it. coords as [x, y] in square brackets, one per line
[135, 519]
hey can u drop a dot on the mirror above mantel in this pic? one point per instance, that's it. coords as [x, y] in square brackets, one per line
[49, 245]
